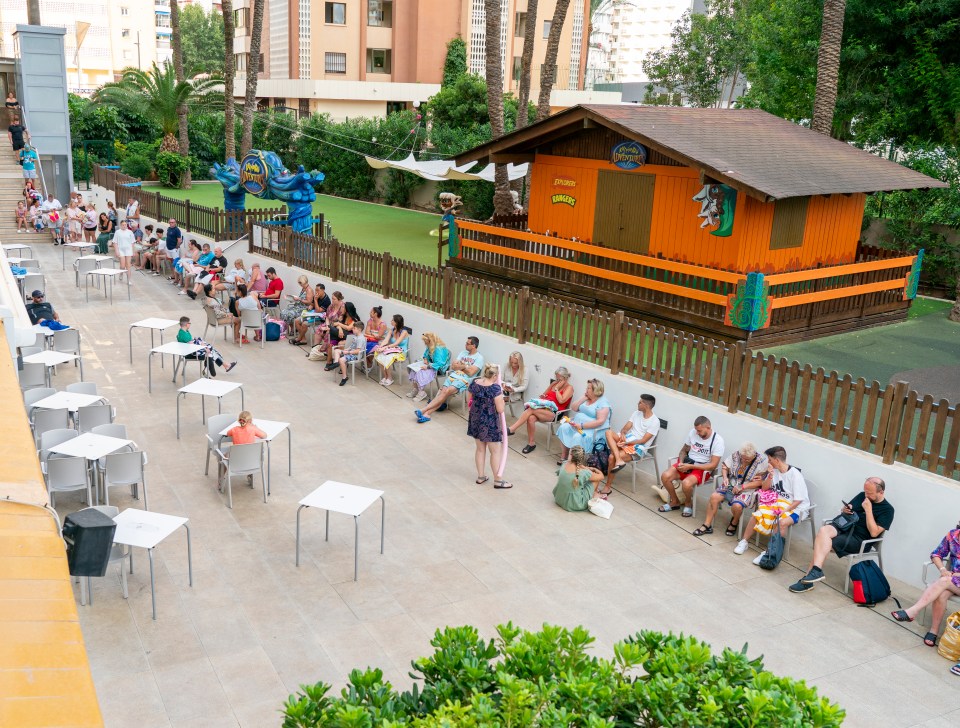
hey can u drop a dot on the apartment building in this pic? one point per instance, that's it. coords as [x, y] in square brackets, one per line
[369, 57]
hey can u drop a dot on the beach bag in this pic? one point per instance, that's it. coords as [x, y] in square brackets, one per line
[600, 507]
[869, 584]
[600, 457]
[316, 353]
[273, 330]
[774, 553]
[949, 645]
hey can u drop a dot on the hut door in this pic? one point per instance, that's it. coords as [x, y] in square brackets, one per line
[624, 211]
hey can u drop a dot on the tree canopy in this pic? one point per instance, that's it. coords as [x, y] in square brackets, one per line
[202, 34]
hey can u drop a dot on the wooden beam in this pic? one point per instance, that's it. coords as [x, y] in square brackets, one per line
[507, 157]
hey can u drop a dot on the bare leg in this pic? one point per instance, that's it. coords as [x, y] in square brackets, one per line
[442, 396]
[940, 607]
[715, 500]
[666, 479]
[494, 449]
[751, 527]
[823, 545]
[933, 594]
[478, 457]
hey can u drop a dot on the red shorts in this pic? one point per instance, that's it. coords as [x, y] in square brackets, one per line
[702, 476]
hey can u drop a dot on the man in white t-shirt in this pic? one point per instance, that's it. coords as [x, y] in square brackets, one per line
[699, 457]
[633, 439]
[790, 486]
[54, 222]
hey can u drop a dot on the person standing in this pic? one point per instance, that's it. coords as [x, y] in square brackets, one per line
[18, 135]
[90, 224]
[133, 214]
[123, 245]
[484, 424]
[51, 210]
[173, 240]
[28, 160]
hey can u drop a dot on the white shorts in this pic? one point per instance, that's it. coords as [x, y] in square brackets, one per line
[204, 280]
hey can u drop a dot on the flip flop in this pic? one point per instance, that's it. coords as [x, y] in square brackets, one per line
[687, 513]
[481, 480]
[618, 468]
[955, 670]
[930, 639]
[666, 508]
[527, 449]
[901, 616]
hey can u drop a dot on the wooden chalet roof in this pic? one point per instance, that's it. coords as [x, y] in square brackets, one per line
[758, 153]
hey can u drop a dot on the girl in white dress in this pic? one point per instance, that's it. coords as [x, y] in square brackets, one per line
[123, 244]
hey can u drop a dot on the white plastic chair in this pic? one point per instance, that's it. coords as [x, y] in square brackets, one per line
[649, 456]
[81, 267]
[67, 341]
[252, 319]
[125, 468]
[212, 321]
[30, 264]
[926, 617]
[66, 474]
[113, 429]
[30, 350]
[553, 424]
[118, 554]
[92, 415]
[82, 388]
[51, 438]
[32, 376]
[32, 282]
[215, 425]
[49, 419]
[242, 460]
[35, 395]
[869, 548]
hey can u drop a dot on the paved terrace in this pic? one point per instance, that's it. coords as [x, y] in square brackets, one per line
[254, 627]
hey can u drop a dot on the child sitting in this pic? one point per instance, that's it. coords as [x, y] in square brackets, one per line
[208, 353]
[350, 349]
[245, 433]
[21, 217]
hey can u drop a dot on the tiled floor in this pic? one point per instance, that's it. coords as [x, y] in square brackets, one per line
[254, 627]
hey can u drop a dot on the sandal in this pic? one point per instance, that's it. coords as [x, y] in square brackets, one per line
[618, 468]
[687, 513]
[955, 670]
[901, 616]
[704, 530]
[930, 639]
[732, 529]
[667, 507]
[481, 480]
[604, 493]
[527, 449]
[502, 485]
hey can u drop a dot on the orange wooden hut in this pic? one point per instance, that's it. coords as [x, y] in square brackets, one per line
[731, 222]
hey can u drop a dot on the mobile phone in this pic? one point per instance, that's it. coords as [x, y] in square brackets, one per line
[845, 504]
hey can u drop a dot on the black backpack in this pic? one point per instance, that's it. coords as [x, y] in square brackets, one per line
[774, 554]
[600, 456]
[869, 584]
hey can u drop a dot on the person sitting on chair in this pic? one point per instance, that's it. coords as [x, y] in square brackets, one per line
[946, 558]
[742, 472]
[700, 455]
[466, 368]
[632, 441]
[208, 354]
[40, 310]
[545, 408]
[874, 517]
[271, 296]
[350, 349]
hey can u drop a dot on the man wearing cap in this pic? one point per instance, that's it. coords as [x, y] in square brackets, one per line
[40, 310]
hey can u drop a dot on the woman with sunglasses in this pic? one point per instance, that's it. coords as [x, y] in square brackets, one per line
[544, 408]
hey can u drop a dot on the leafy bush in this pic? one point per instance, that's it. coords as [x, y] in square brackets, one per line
[171, 168]
[137, 165]
[547, 678]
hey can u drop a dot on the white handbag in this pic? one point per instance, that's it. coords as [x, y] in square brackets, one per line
[600, 507]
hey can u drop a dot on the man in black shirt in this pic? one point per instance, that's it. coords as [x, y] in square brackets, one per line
[214, 272]
[875, 516]
[40, 310]
[18, 135]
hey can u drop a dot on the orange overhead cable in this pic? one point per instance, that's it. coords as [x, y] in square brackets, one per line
[714, 298]
[613, 254]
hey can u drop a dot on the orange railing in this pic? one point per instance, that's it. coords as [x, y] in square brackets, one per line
[838, 281]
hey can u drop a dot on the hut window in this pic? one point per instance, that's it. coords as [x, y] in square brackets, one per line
[789, 223]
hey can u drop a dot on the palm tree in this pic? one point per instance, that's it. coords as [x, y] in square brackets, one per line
[548, 71]
[158, 95]
[253, 72]
[526, 61]
[176, 42]
[828, 66]
[228, 71]
[502, 199]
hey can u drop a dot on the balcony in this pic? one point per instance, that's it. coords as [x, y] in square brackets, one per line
[380, 13]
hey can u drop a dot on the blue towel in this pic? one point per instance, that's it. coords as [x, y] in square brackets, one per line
[17, 270]
[54, 325]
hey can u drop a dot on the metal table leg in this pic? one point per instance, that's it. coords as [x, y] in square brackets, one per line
[356, 546]
[179, 397]
[150, 373]
[189, 549]
[289, 452]
[298, 534]
[130, 339]
[153, 586]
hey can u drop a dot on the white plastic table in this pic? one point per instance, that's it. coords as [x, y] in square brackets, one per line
[10, 247]
[90, 446]
[68, 400]
[352, 500]
[79, 247]
[146, 530]
[207, 388]
[154, 324]
[50, 359]
[272, 430]
[105, 273]
[179, 352]
[46, 331]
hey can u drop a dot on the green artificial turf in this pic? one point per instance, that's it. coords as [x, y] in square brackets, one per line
[405, 234]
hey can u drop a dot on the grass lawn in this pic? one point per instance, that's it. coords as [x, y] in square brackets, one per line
[926, 339]
[403, 233]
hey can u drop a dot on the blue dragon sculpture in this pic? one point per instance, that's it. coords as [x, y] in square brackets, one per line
[263, 175]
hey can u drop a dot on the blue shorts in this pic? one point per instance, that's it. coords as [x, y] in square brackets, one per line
[459, 383]
[795, 517]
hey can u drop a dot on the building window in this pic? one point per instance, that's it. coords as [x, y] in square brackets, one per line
[163, 20]
[240, 62]
[125, 33]
[546, 29]
[378, 60]
[380, 13]
[335, 13]
[124, 11]
[519, 24]
[517, 66]
[241, 18]
[395, 106]
[304, 110]
[335, 62]
[279, 103]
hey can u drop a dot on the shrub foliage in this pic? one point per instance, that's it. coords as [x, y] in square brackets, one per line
[547, 678]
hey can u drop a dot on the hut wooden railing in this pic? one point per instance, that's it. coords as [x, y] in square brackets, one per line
[889, 421]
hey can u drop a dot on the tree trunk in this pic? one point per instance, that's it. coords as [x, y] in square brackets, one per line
[253, 72]
[526, 61]
[548, 71]
[502, 199]
[228, 73]
[955, 311]
[176, 43]
[828, 66]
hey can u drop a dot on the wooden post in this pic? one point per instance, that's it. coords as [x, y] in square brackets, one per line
[387, 272]
[524, 315]
[447, 305]
[249, 227]
[894, 423]
[287, 237]
[334, 259]
[615, 353]
[186, 223]
[735, 357]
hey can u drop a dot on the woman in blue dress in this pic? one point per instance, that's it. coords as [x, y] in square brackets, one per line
[591, 419]
[485, 424]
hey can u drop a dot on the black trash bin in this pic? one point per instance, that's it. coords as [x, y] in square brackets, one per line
[89, 537]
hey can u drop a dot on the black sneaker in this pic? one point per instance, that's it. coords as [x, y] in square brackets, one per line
[343, 381]
[813, 576]
[192, 294]
[800, 587]
[442, 407]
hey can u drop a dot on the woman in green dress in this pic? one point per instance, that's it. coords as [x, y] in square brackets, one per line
[576, 483]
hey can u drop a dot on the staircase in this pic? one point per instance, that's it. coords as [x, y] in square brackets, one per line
[11, 192]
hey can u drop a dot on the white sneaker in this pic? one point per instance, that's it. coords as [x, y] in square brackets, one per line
[741, 547]
[387, 382]
[383, 380]
[182, 293]
[757, 560]
[411, 394]
[421, 395]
